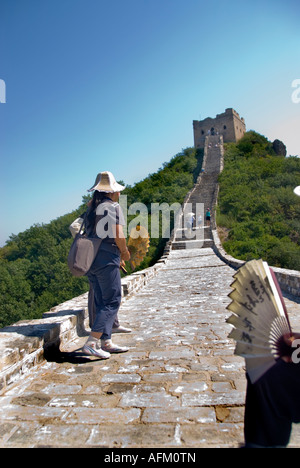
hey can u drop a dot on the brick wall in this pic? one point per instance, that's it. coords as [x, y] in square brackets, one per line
[229, 124]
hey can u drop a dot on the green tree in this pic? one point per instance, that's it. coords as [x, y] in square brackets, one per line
[257, 205]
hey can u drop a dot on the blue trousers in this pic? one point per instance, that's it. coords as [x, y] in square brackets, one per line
[92, 310]
[105, 279]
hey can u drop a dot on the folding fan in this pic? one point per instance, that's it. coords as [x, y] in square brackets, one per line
[259, 317]
[138, 245]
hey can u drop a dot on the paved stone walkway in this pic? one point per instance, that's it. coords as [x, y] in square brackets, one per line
[179, 385]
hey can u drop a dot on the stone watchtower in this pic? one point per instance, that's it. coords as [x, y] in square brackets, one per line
[229, 124]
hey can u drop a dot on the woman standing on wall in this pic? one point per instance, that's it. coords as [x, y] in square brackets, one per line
[106, 220]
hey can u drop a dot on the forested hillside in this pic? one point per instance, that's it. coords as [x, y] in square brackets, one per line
[33, 271]
[258, 213]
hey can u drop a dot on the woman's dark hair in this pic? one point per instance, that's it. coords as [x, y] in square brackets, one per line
[98, 198]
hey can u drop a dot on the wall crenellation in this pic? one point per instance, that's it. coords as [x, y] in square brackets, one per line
[228, 124]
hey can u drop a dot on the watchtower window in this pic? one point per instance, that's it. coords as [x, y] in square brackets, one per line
[212, 130]
[202, 132]
[224, 127]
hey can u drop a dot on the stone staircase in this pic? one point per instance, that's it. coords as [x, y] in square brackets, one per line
[202, 197]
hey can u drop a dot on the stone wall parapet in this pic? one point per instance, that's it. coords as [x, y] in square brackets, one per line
[26, 344]
[289, 280]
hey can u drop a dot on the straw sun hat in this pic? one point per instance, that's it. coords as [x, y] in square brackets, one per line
[105, 182]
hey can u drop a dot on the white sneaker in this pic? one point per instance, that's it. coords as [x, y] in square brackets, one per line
[93, 348]
[110, 347]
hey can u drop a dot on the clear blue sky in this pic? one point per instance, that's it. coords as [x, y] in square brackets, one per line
[94, 85]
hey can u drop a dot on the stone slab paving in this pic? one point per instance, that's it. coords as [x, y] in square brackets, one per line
[179, 385]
